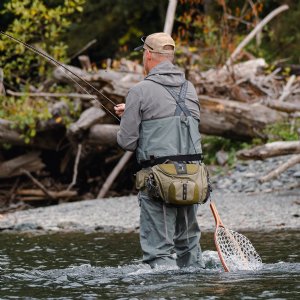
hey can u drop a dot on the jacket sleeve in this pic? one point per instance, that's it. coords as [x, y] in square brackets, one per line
[128, 134]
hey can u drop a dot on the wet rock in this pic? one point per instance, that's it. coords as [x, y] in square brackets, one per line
[250, 175]
[244, 177]
[222, 157]
[68, 225]
[27, 227]
[297, 174]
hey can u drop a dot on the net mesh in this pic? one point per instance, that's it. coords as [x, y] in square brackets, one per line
[237, 251]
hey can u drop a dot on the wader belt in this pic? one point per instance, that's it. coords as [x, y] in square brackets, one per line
[159, 160]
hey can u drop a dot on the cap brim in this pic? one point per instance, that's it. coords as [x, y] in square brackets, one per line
[138, 48]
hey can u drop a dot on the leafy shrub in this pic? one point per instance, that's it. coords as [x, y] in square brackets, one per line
[41, 26]
[283, 131]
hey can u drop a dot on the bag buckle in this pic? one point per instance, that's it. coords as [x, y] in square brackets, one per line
[180, 168]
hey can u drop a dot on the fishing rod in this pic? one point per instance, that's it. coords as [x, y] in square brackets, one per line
[58, 64]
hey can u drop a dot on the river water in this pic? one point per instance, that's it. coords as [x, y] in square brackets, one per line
[108, 266]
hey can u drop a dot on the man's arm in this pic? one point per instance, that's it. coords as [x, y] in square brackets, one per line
[128, 134]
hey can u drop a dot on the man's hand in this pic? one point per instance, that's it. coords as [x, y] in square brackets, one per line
[119, 109]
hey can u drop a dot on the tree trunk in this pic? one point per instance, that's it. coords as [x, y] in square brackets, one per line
[235, 119]
[170, 16]
[14, 167]
[103, 135]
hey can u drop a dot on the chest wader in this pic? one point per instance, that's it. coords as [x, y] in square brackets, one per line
[178, 183]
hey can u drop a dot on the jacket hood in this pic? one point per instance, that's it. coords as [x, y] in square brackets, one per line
[167, 74]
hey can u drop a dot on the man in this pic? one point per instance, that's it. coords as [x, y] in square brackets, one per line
[159, 129]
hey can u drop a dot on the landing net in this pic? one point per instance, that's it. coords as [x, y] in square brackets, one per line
[237, 251]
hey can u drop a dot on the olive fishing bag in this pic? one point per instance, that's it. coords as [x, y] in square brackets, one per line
[176, 183]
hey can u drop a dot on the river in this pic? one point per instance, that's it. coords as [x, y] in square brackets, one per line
[107, 266]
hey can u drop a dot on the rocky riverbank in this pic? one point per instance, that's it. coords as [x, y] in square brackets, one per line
[243, 203]
[244, 177]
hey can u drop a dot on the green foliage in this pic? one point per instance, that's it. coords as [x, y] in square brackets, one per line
[283, 131]
[41, 26]
[24, 112]
[281, 37]
[28, 114]
[213, 144]
[214, 28]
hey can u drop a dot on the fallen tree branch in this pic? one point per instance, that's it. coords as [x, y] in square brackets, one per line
[13, 167]
[40, 194]
[282, 106]
[53, 95]
[253, 33]
[270, 150]
[112, 176]
[75, 171]
[88, 118]
[223, 117]
[287, 88]
[87, 46]
[38, 184]
[103, 135]
[275, 173]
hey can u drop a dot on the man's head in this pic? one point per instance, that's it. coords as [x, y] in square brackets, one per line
[157, 47]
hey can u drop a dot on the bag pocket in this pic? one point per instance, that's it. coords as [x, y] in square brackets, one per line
[183, 192]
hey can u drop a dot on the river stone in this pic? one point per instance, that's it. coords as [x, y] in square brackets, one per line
[27, 227]
[297, 174]
[68, 225]
[222, 157]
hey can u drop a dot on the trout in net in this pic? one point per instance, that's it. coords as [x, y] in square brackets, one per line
[235, 251]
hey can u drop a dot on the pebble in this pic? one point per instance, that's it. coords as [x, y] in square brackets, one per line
[244, 177]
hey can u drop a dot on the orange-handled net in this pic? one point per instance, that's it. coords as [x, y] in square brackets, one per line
[235, 251]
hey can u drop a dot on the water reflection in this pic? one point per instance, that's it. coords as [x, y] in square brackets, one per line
[108, 266]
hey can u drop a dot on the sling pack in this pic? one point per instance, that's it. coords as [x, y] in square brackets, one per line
[176, 183]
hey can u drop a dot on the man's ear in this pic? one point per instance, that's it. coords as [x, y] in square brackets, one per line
[148, 54]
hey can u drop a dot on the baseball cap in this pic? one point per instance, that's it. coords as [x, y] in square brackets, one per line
[155, 43]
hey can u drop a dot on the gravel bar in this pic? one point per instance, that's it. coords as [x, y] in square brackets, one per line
[239, 211]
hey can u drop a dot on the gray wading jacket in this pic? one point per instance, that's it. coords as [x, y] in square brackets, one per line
[148, 124]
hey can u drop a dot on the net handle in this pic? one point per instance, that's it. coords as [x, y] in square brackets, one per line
[216, 214]
[218, 224]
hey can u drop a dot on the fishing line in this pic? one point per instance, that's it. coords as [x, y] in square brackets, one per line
[58, 64]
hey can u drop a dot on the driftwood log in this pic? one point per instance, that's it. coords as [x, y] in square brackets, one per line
[14, 167]
[220, 114]
[235, 119]
[270, 150]
[113, 175]
[32, 195]
[103, 135]
[295, 159]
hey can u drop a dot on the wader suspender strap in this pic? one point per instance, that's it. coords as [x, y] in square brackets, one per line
[180, 99]
[181, 107]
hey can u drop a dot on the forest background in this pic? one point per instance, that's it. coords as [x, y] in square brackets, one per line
[111, 29]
